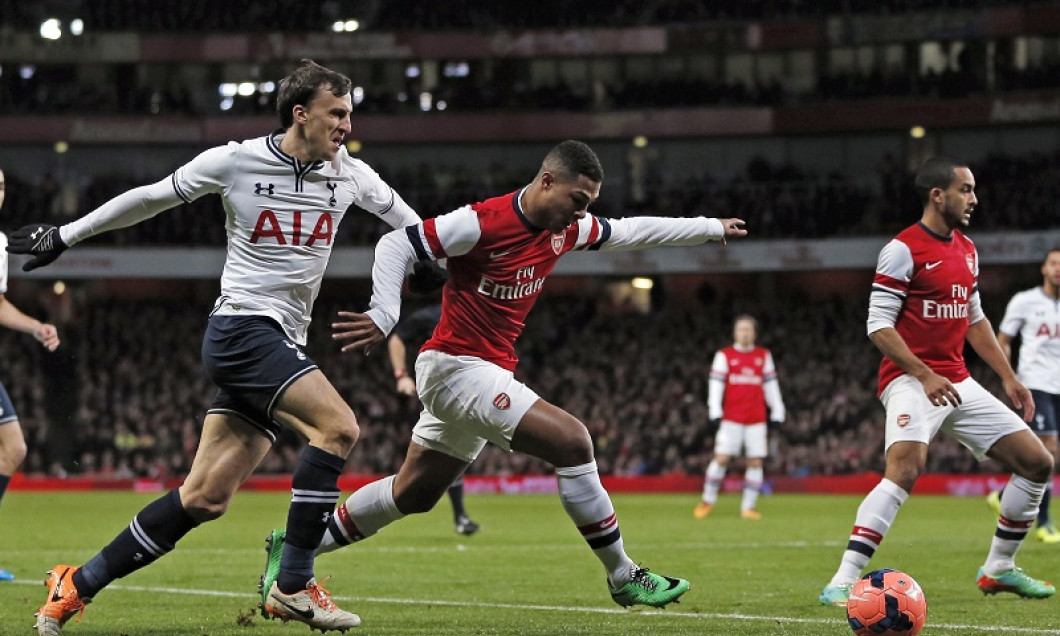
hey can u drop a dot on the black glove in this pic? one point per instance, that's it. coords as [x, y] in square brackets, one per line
[775, 424]
[427, 277]
[40, 240]
[715, 424]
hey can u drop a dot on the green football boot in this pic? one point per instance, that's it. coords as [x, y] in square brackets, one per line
[1015, 581]
[836, 595]
[648, 588]
[273, 552]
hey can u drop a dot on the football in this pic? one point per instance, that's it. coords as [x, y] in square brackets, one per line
[887, 603]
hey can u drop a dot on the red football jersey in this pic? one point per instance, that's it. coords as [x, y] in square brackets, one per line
[935, 277]
[745, 374]
[493, 285]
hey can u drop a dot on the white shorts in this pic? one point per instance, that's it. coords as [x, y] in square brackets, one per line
[466, 403]
[978, 423]
[733, 437]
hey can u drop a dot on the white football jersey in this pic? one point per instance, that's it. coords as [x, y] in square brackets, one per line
[281, 218]
[1035, 318]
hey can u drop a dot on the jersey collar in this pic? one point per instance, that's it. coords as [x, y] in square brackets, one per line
[945, 239]
[517, 205]
[273, 143]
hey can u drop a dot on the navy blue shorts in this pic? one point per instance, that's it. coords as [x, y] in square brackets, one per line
[252, 362]
[1046, 410]
[7, 409]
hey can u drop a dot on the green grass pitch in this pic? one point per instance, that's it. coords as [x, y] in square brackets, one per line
[527, 572]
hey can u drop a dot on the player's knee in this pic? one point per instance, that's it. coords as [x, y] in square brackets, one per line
[203, 507]
[576, 448]
[341, 433]
[1039, 467]
[11, 455]
[15, 452]
[904, 475]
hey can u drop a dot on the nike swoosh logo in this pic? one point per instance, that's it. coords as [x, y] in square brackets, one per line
[933, 265]
[496, 255]
[304, 613]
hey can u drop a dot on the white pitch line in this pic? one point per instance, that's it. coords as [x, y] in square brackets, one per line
[577, 610]
[479, 547]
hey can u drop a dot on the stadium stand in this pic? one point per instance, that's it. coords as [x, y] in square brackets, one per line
[798, 116]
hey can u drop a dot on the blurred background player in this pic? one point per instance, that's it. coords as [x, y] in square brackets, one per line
[416, 328]
[743, 391]
[1034, 316]
[12, 443]
[923, 307]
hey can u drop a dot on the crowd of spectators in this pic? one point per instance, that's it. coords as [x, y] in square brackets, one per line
[779, 199]
[272, 15]
[57, 89]
[125, 396]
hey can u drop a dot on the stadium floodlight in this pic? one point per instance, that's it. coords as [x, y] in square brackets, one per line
[641, 282]
[917, 132]
[77, 26]
[228, 89]
[226, 103]
[426, 99]
[345, 26]
[358, 95]
[246, 89]
[27, 71]
[51, 29]
[441, 105]
[456, 69]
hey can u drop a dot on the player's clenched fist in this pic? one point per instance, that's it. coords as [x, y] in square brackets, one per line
[40, 240]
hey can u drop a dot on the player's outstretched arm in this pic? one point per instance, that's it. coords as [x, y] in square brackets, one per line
[644, 232]
[46, 242]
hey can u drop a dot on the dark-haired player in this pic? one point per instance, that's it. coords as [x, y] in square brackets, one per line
[500, 252]
[924, 306]
[284, 195]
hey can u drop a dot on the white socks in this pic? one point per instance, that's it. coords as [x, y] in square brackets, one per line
[1019, 509]
[715, 474]
[752, 485]
[875, 516]
[589, 507]
[364, 513]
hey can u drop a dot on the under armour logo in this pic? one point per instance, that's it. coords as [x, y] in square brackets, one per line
[326, 517]
[331, 186]
[36, 233]
[139, 556]
[258, 188]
